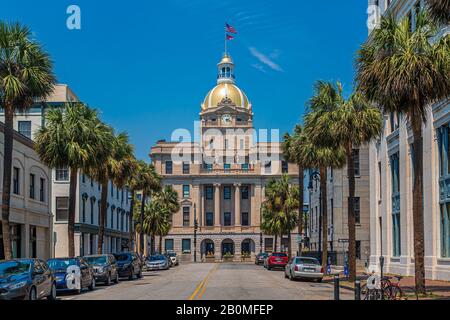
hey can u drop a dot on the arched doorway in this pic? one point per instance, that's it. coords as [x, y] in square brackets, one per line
[248, 246]
[207, 247]
[227, 247]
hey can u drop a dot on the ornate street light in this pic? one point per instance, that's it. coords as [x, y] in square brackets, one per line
[315, 176]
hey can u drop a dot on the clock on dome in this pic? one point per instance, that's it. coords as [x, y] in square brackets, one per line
[227, 119]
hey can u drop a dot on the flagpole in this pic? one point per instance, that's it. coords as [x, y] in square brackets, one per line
[225, 31]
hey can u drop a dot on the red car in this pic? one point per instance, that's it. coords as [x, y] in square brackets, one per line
[276, 260]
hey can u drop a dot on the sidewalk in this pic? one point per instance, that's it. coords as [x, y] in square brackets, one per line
[436, 289]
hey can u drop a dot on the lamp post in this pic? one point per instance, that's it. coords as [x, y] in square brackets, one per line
[195, 232]
[315, 176]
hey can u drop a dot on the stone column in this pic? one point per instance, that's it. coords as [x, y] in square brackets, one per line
[217, 213]
[237, 204]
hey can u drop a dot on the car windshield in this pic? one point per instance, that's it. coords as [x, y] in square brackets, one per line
[172, 254]
[10, 268]
[263, 254]
[307, 261]
[122, 257]
[156, 258]
[97, 260]
[61, 264]
[279, 254]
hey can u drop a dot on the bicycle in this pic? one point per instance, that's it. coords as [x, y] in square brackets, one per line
[387, 290]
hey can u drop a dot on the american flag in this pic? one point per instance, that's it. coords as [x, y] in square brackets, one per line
[230, 28]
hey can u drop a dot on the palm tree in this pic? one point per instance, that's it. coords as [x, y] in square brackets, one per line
[26, 73]
[167, 200]
[132, 183]
[116, 167]
[439, 10]
[73, 137]
[354, 123]
[148, 181]
[291, 150]
[404, 71]
[156, 221]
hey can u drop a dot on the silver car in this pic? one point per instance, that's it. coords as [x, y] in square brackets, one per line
[157, 262]
[305, 268]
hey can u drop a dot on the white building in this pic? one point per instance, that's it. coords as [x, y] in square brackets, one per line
[30, 214]
[391, 180]
[88, 193]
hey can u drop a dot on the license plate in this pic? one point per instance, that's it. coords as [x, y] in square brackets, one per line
[309, 270]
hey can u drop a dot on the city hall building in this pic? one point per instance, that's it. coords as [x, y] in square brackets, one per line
[220, 178]
[391, 182]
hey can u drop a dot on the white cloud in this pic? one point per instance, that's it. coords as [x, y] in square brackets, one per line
[259, 67]
[265, 59]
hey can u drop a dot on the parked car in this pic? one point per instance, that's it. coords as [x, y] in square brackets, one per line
[304, 267]
[105, 268]
[29, 279]
[72, 274]
[157, 262]
[260, 257]
[128, 265]
[141, 259]
[173, 257]
[276, 260]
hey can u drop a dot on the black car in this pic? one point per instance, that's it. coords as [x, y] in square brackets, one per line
[29, 279]
[128, 265]
[72, 274]
[260, 257]
[105, 268]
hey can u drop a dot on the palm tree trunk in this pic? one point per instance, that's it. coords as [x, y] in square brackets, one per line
[351, 213]
[141, 221]
[275, 246]
[300, 208]
[6, 192]
[160, 244]
[152, 251]
[131, 229]
[102, 215]
[289, 244]
[418, 207]
[72, 206]
[323, 192]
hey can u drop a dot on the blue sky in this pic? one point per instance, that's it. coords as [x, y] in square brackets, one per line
[147, 65]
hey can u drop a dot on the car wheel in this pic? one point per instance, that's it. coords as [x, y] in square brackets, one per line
[139, 275]
[32, 295]
[291, 277]
[92, 286]
[319, 280]
[116, 280]
[130, 277]
[108, 280]
[52, 295]
[285, 275]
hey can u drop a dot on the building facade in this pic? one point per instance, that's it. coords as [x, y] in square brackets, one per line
[391, 183]
[221, 178]
[337, 199]
[88, 193]
[31, 220]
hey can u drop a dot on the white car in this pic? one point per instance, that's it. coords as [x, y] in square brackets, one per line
[304, 268]
[174, 258]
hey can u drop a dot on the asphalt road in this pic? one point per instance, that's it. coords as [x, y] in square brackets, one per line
[212, 282]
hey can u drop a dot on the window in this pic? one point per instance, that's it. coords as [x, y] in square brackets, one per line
[244, 193]
[42, 190]
[244, 220]
[33, 242]
[16, 177]
[393, 117]
[186, 216]
[92, 210]
[83, 209]
[112, 190]
[380, 187]
[227, 219]
[284, 167]
[356, 162]
[117, 193]
[268, 167]
[445, 230]
[32, 186]
[358, 249]
[227, 193]
[209, 193]
[62, 208]
[226, 144]
[186, 245]
[209, 219]
[186, 191]
[186, 168]
[395, 174]
[83, 178]
[25, 128]
[332, 213]
[168, 244]
[357, 207]
[226, 167]
[169, 167]
[62, 174]
[245, 167]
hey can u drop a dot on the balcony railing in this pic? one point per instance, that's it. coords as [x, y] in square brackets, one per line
[231, 169]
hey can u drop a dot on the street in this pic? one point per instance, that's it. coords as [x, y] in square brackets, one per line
[212, 282]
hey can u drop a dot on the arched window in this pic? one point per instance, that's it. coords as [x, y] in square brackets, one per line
[228, 73]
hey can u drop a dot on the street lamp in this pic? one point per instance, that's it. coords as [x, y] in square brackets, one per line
[195, 232]
[315, 176]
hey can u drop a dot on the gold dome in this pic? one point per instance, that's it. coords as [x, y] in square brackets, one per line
[226, 90]
[226, 59]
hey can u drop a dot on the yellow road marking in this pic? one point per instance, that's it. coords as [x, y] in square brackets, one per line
[200, 289]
